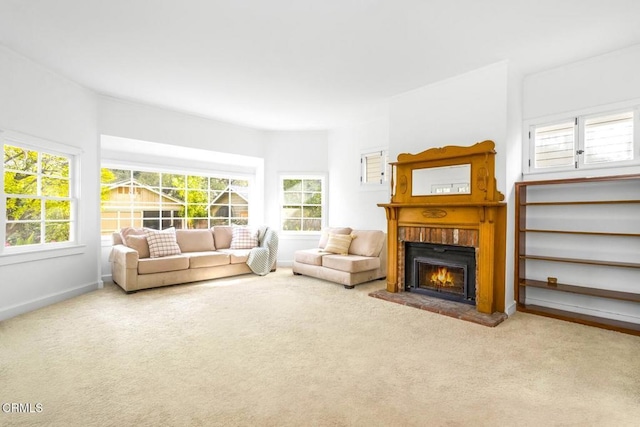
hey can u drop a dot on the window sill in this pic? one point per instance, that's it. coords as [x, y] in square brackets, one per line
[40, 254]
[299, 235]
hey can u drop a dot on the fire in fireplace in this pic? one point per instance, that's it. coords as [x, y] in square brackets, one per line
[443, 271]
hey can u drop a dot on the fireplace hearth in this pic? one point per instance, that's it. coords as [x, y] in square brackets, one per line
[442, 271]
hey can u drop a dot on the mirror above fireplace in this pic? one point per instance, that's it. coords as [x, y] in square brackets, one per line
[444, 180]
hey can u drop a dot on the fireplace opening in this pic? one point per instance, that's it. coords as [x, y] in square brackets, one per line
[443, 271]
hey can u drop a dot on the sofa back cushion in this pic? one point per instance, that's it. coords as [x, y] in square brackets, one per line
[139, 243]
[128, 231]
[222, 235]
[367, 242]
[331, 230]
[199, 240]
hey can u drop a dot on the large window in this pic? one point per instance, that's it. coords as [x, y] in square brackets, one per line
[38, 197]
[302, 203]
[588, 141]
[136, 198]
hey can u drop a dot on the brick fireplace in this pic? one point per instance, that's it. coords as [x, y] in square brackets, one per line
[472, 216]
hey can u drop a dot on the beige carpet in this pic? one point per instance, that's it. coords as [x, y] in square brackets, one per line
[290, 350]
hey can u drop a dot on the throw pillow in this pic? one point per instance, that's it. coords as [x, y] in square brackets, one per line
[338, 243]
[139, 243]
[162, 243]
[324, 237]
[244, 238]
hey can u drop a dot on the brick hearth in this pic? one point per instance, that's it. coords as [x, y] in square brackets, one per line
[436, 305]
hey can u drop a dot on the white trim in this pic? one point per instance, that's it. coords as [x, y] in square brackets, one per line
[529, 150]
[583, 310]
[324, 207]
[17, 309]
[40, 254]
[40, 145]
[384, 153]
[511, 309]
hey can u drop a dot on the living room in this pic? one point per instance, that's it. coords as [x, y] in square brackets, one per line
[494, 98]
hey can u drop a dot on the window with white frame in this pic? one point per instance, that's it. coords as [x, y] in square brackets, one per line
[131, 197]
[587, 141]
[38, 201]
[373, 167]
[302, 206]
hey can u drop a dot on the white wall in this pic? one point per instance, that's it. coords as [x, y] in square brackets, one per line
[37, 102]
[292, 152]
[350, 203]
[148, 123]
[606, 79]
[461, 110]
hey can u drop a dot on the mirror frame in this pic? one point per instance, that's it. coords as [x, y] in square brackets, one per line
[480, 157]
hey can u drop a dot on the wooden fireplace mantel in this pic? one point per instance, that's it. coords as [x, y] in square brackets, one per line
[474, 218]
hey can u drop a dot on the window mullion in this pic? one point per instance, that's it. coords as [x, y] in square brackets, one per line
[579, 146]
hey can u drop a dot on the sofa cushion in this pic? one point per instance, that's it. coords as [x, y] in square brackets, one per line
[139, 243]
[309, 256]
[222, 236]
[350, 263]
[367, 242]
[338, 243]
[208, 259]
[238, 256]
[335, 230]
[244, 238]
[127, 231]
[160, 265]
[195, 240]
[162, 243]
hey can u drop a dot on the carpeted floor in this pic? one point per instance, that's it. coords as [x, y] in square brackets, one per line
[290, 350]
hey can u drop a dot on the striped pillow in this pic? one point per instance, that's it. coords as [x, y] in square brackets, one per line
[338, 243]
[162, 243]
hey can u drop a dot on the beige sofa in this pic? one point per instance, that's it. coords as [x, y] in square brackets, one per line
[204, 254]
[365, 261]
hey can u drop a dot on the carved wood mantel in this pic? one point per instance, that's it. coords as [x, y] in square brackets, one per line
[476, 217]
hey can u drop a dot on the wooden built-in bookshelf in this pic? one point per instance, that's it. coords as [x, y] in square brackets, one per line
[522, 281]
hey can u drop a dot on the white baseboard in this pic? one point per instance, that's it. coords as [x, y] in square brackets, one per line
[285, 263]
[511, 309]
[584, 310]
[15, 310]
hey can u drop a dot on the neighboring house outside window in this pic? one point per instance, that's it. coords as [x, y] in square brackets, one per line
[585, 141]
[134, 198]
[302, 203]
[38, 194]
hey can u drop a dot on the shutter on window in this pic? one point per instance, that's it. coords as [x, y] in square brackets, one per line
[608, 138]
[373, 167]
[554, 145]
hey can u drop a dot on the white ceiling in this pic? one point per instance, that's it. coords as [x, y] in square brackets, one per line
[301, 64]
